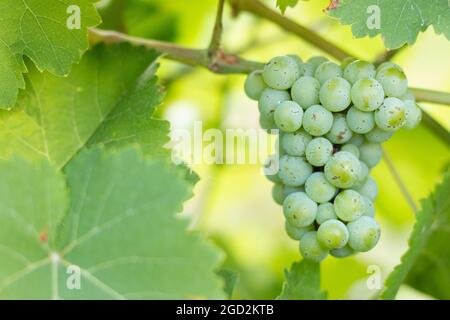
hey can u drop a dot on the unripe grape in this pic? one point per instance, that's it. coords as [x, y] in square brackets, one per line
[334, 94]
[327, 70]
[370, 154]
[342, 170]
[269, 169]
[356, 140]
[288, 190]
[340, 132]
[288, 116]
[359, 69]
[317, 120]
[297, 59]
[367, 94]
[370, 209]
[318, 188]
[351, 148]
[393, 81]
[346, 62]
[368, 189]
[311, 249]
[316, 61]
[376, 135]
[391, 116]
[413, 114]
[281, 72]
[342, 252]
[254, 85]
[297, 233]
[364, 234]
[299, 210]
[295, 143]
[325, 211]
[359, 121]
[305, 91]
[408, 95]
[278, 193]
[349, 205]
[266, 122]
[307, 69]
[294, 170]
[319, 151]
[388, 64]
[363, 174]
[270, 99]
[332, 234]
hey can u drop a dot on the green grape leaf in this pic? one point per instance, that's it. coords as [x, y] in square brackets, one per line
[118, 232]
[230, 278]
[283, 4]
[53, 36]
[426, 264]
[397, 21]
[303, 282]
[107, 99]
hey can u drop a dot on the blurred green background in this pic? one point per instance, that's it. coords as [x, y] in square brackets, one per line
[233, 204]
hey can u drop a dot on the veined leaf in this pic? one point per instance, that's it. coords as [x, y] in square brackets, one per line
[107, 99]
[400, 21]
[52, 33]
[303, 282]
[426, 264]
[119, 232]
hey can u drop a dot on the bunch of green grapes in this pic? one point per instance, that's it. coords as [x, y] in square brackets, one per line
[332, 120]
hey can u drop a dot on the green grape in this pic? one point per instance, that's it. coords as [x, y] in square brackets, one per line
[294, 170]
[299, 210]
[364, 234]
[368, 189]
[317, 120]
[319, 151]
[351, 148]
[318, 188]
[297, 59]
[288, 116]
[332, 234]
[305, 91]
[367, 94]
[306, 69]
[363, 174]
[388, 64]
[278, 193]
[297, 233]
[342, 170]
[349, 205]
[370, 154]
[359, 69]
[281, 72]
[311, 249]
[327, 70]
[356, 140]
[270, 99]
[288, 190]
[267, 123]
[316, 61]
[325, 211]
[269, 169]
[393, 81]
[376, 135]
[359, 121]
[254, 85]
[370, 209]
[342, 252]
[408, 96]
[413, 114]
[346, 62]
[334, 94]
[391, 116]
[340, 132]
[295, 143]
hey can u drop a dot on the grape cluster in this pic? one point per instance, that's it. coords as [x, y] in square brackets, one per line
[332, 119]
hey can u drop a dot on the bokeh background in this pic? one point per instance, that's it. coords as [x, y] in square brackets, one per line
[233, 203]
